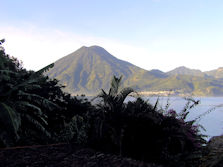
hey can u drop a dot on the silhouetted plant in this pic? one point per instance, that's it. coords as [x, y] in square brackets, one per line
[139, 130]
[34, 108]
[18, 102]
[114, 99]
[102, 133]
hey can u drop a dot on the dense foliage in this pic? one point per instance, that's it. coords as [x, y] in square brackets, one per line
[33, 107]
[139, 130]
[35, 110]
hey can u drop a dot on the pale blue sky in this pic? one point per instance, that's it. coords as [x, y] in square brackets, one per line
[161, 34]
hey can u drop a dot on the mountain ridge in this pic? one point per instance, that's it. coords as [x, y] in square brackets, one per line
[182, 70]
[89, 69]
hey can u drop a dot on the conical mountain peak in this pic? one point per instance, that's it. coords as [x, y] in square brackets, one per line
[93, 47]
[92, 51]
[89, 69]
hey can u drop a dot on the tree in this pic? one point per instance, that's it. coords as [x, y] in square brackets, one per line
[140, 131]
[20, 105]
[113, 100]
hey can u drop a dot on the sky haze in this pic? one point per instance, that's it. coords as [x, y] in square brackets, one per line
[152, 34]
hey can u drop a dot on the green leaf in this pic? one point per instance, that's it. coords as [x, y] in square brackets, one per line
[124, 93]
[41, 71]
[38, 126]
[156, 104]
[27, 107]
[10, 122]
[115, 84]
[41, 101]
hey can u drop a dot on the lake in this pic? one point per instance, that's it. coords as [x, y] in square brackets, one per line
[212, 122]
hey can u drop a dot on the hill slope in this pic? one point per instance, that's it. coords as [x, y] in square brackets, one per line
[218, 73]
[185, 71]
[90, 69]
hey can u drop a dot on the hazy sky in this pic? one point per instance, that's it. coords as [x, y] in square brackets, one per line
[152, 34]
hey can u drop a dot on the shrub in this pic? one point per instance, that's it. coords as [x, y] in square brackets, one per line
[34, 109]
[139, 130]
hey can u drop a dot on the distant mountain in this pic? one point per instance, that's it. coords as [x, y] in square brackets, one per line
[185, 71]
[158, 74]
[90, 69]
[216, 73]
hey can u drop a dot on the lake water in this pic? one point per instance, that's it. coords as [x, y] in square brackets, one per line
[212, 122]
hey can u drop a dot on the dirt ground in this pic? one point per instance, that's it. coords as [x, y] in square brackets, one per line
[62, 155]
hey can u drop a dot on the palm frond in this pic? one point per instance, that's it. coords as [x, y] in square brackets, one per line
[104, 96]
[38, 126]
[41, 71]
[11, 122]
[156, 104]
[9, 72]
[124, 93]
[21, 86]
[34, 98]
[32, 86]
[115, 84]
[26, 106]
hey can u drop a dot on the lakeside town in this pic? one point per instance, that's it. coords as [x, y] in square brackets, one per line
[164, 93]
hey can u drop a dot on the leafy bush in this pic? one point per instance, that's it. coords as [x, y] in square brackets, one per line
[138, 130]
[18, 104]
[34, 109]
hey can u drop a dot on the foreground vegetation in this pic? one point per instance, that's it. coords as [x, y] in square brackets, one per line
[35, 110]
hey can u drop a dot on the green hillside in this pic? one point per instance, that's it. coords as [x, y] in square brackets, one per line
[218, 73]
[90, 69]
[185, 71]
